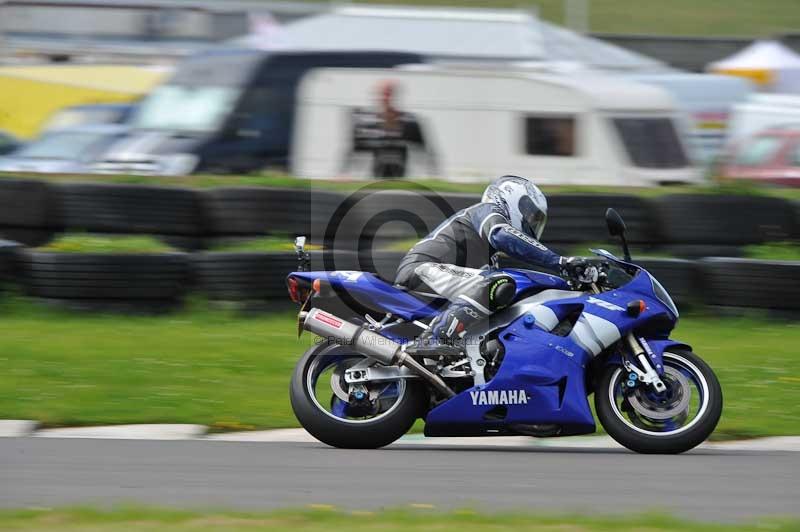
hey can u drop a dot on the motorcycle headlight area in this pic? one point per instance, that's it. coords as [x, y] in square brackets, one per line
[663, 296]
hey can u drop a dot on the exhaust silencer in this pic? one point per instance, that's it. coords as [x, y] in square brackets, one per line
[368, 343]
[360, 339]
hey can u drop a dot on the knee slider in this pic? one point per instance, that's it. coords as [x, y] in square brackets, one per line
[501, 291]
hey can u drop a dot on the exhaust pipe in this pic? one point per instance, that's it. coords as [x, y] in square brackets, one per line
[368, 343]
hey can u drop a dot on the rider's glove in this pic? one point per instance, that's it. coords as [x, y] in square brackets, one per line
[578, 269]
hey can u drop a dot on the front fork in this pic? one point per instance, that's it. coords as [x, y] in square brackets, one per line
[649, 375]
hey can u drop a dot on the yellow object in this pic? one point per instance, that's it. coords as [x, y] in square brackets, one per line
[759, 76]
[30, 95]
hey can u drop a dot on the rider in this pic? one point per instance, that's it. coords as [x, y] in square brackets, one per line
[453, 261]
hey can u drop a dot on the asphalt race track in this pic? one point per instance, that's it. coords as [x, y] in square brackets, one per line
[702, 484]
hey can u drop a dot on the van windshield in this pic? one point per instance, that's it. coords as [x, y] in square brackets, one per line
[66, 145]
[651, 142]
[184, 108]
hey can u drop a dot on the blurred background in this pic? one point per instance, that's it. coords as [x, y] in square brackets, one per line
[157, 158]
[210, 117]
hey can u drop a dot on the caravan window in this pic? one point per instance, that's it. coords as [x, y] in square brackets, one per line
[550, 135]
[651, 142]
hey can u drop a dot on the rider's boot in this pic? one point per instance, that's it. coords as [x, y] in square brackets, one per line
[446, 333]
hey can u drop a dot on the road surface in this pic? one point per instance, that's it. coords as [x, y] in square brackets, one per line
[704, 484]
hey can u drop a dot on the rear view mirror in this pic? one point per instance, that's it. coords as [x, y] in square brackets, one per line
[616, 226]
[615, 223]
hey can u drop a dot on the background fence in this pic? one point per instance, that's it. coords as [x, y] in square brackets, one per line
[362, 228]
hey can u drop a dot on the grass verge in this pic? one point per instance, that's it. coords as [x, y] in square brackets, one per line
[261, 244]
[325, 519]
[84, 243]
[231, 372]
[774, 251]
[279, 180]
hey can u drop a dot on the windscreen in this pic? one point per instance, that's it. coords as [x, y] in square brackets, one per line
[68, 146]
[186, 108]
[651, 142]
[758, 151]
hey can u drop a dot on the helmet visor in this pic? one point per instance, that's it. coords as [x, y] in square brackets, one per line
[533, 218]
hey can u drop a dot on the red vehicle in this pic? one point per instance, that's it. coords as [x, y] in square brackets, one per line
[772, 156]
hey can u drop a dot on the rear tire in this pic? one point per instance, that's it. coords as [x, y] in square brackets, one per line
[348, 435]
[642, 440]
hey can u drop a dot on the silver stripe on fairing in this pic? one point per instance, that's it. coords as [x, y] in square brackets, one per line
[546, 319]
[533, 304]
[582, 335]
[607, 332]
[594, 333]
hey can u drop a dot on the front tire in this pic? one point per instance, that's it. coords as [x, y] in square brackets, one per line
[336, 427]
[670, 423]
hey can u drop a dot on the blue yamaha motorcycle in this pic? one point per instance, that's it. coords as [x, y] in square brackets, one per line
[527, 370]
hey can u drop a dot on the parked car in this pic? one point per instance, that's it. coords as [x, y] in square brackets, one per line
[87, 115]
[64, 151]
[8, 143]
[772, 156]
[226, 111]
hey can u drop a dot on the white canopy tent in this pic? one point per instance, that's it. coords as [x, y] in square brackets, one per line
[771, 65]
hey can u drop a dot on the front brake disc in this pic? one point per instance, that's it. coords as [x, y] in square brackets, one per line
[682, 394]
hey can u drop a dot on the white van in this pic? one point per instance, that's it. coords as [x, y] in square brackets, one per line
[763, 111]
[561, 129]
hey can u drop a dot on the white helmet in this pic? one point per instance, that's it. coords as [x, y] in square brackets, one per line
[521, 202]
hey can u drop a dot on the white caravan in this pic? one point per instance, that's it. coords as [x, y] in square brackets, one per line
[706, 101]
[584, 129]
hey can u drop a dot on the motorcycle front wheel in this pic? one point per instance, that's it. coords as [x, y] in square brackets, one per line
[674, 421]
[324, 405]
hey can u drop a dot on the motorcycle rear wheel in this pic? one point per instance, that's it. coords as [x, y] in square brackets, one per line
[670, 423]
[332, 420]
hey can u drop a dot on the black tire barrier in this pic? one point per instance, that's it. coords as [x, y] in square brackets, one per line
[723, 220]
[796, 234]
[132, 209]
[26, 211]
[573, 218]
[243, 276]
[30, 212]
[8, 260]
[104, 277]
[679, 277]
[256, 276]
[159, 281]
[263, 211]
[751, 283]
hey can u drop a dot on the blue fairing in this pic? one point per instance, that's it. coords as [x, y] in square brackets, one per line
[367, 290]
[550, 370]
[532, 281]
